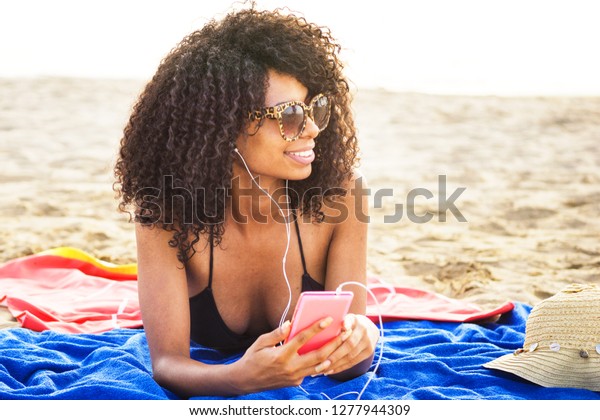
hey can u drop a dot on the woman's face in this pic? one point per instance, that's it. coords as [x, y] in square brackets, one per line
[266, 152]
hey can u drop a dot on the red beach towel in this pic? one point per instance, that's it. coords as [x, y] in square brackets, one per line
[407, 303]
[52, 292]
[67, 290]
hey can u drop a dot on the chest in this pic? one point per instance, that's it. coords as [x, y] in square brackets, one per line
[249, 285]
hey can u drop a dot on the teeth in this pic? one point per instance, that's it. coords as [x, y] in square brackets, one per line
[307, 153]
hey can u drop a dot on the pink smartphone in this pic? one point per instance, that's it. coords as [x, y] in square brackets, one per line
[313, 306]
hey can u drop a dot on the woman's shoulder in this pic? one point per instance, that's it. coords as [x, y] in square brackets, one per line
[352, 204]
[156, 241]
[356, 181]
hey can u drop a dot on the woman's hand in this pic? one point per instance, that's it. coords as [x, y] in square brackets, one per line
[268, 366]
[358, 340]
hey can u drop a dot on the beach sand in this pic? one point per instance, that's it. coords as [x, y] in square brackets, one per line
[530, 169]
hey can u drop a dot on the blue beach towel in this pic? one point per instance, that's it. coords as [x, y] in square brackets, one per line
[421, 360]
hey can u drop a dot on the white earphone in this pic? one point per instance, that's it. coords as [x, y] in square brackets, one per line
[285, 312]
[287, 231]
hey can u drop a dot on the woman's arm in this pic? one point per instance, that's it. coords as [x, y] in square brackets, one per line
[164, 303]
[346, 262]
[347, 254]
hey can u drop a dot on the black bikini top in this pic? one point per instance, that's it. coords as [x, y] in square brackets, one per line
[208, 328]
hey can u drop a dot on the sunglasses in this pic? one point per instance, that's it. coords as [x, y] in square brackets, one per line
[292, 116]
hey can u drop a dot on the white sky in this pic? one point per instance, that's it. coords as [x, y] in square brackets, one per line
[503, 47]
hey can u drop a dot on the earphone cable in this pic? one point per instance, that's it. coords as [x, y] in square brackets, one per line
[288, 235]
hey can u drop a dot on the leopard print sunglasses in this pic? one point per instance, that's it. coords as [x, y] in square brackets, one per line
[292, 116]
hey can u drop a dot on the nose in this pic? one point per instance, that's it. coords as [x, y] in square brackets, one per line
[311, 130]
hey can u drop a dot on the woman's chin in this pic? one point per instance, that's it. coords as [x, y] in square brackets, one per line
[299, 175]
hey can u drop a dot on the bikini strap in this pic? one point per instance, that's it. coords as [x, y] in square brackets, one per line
[299, 242]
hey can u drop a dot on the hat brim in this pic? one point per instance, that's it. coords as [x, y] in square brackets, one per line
[552, 369]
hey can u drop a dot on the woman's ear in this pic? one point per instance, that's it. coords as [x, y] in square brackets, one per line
[240, 146]
[252, 127]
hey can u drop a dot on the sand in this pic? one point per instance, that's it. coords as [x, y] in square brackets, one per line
[529, 167]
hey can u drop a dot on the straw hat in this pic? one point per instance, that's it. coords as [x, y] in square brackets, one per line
[562, 341]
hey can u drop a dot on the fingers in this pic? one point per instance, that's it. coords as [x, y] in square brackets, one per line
[320, 357]
[305, 335]
[357, 344]
[349, 322]
[283, 365]
[323, 356]
[328, 348]
[345, 354]
[333, 356]
[314, 361]
[274, 337]
[348, 327]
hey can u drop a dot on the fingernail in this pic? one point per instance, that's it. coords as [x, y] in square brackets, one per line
[329, 373]
[323, 366]
[325, 323]
[285, 326]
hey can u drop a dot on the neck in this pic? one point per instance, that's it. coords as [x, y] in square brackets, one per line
[249, 203]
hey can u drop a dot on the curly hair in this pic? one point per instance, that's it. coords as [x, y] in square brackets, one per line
[186, 121]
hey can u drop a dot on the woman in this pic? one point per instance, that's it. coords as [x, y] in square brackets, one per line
[207, 163]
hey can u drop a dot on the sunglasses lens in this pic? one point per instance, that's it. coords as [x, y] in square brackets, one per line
[292, 118]
[321, 112]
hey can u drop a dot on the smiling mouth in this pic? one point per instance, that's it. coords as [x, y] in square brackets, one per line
[304, 157]
[303, 154]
